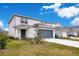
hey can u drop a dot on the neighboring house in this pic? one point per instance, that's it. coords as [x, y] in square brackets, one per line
[74, 31]
[67, 31]
[23, 27]
[61, 32]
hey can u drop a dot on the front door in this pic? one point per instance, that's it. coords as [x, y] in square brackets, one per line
[22, 33]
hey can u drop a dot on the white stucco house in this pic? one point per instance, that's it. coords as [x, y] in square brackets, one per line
[22, 27]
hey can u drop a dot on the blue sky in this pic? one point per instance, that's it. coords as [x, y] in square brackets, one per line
[66, 14]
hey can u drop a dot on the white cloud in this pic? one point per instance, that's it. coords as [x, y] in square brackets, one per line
[1, 24]
[44, 12]
[6, 29]
[67, 12]
[56, 5]
[75, 22]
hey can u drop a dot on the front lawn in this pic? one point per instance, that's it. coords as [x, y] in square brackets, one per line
[25, 48]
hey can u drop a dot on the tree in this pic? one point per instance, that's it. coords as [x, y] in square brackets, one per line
[37, 38]
[3, 40]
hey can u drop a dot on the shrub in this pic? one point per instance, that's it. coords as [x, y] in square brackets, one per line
[10, 37]
[3, 40]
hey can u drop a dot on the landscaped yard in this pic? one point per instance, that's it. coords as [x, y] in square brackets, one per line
[25, 48]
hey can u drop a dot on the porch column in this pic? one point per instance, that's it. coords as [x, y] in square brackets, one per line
[53, 33]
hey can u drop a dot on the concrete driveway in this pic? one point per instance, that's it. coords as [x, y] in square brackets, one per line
[64, 42]
[74, 38]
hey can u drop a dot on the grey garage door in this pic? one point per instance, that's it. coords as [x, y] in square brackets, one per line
[46, 33]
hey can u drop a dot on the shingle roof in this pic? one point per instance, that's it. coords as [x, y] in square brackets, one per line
[26, 17]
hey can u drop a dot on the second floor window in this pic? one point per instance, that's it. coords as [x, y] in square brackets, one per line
[23, 20]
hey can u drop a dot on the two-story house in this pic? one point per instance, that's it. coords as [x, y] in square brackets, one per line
[23, 27]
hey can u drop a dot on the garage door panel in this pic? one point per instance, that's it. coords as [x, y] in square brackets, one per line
[46, 33]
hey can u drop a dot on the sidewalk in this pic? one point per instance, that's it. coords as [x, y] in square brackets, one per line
[64, 42]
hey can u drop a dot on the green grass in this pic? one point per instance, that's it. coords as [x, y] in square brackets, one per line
[25, 48]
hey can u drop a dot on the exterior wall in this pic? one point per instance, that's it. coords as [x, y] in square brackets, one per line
[17, 20]
[32, 22]
[13, 31]
[18, 33]
[31, 32]
[58, 33]
[64, 34]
